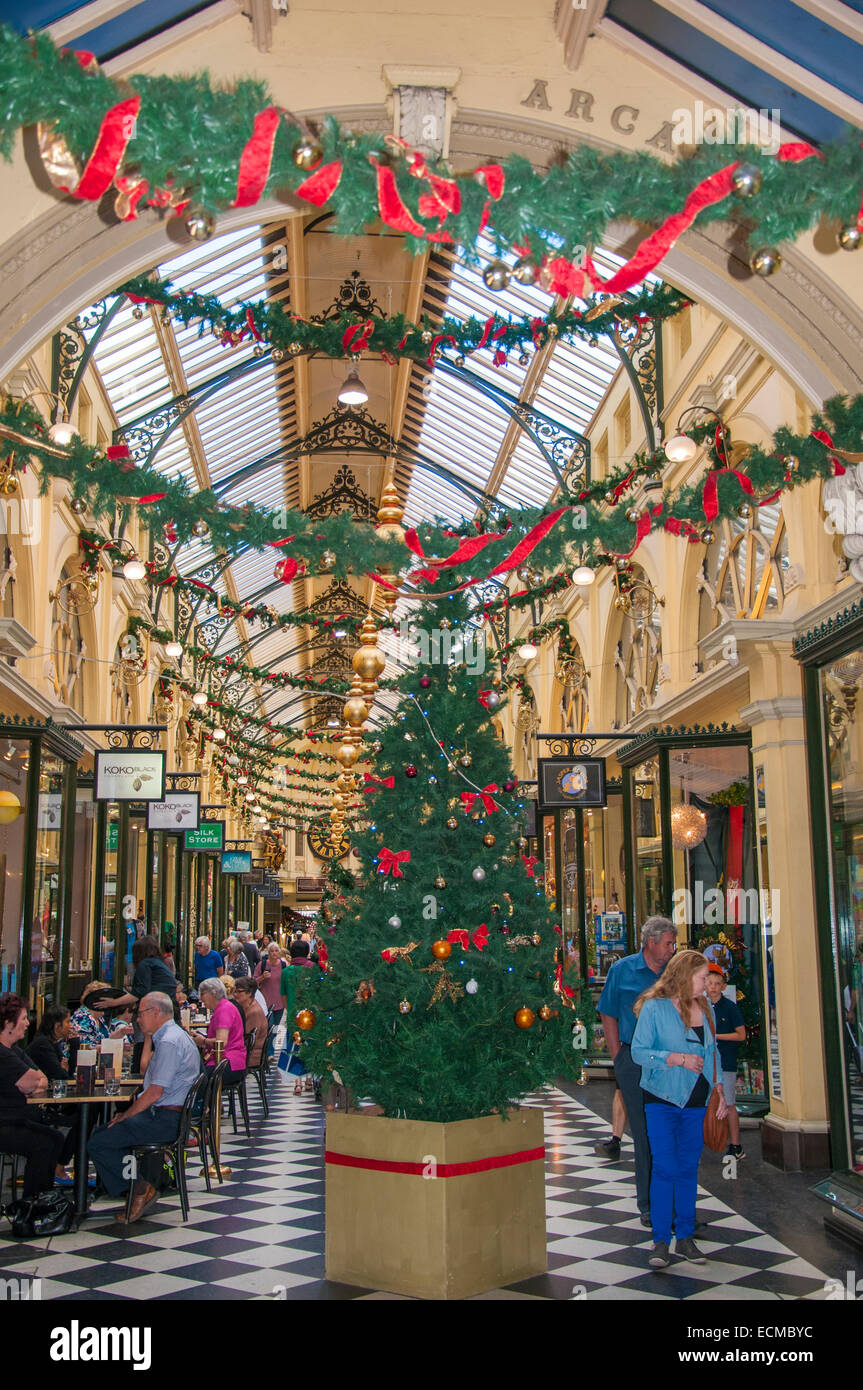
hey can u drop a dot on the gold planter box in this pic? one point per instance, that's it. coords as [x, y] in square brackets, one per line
[423, 1229]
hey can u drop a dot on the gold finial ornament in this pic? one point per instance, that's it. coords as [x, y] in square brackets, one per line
[356, 711]
[367, 660]
[347, 754]
[390, 513]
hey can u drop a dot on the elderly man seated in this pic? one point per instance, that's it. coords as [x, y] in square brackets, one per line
[171, 1066]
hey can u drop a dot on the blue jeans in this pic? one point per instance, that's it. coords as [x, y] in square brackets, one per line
[676, 1140]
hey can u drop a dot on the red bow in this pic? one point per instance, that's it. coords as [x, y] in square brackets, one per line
[389, 860]
[487, 800]
[378, 781]
[530, 863]
[463, 938]
[483, 698]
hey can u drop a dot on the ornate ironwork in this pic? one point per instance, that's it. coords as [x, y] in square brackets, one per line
[339, 599]
[639, 346]
[831, 628]
[344, 494]
[354, 296]
[183, 781]
[347, 428]
[133, 737]
[72, 352]
[569, 745]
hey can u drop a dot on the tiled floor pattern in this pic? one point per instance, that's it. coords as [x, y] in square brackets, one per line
[261, 1235]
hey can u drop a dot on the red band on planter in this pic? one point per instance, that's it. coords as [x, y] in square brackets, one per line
[442, 1170]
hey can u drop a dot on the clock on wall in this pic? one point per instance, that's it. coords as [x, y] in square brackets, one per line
[324, 846]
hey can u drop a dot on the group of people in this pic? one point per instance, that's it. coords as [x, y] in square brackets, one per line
[673, 1037]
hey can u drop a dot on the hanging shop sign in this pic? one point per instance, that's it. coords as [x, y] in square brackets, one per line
[128, 774]
[268, 890]
[565, 783]
[236, 861]
[252, 877]
[179, 811]
[210, 835]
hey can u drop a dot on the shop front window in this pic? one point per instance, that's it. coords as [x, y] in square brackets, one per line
[14, 762]
[716, 904]
[603, 887]
[840, 690]
[47, 892]
[81, 900]
[649, 891]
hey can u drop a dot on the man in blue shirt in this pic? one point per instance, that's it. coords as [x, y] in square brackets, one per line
[172, 1068]
[208, 963]
[626, 980]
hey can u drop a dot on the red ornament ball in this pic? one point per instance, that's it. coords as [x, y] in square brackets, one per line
[410, 770]
[425, 682]
[509, 785]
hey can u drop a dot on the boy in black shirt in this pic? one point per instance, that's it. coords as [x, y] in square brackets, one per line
[730, 1033]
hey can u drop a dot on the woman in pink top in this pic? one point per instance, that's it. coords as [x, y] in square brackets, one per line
[226, 1023]
[268, 973]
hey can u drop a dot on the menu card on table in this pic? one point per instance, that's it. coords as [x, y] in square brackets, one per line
[85, 1072]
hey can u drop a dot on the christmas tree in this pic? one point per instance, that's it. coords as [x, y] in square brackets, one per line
[445, 998]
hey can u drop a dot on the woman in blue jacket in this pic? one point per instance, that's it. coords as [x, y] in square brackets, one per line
[675, 1046]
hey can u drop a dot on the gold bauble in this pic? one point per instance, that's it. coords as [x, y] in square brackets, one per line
[440, 881]
[441, 950]
[356, 711]
[765, 261]
[305, 1020]
[10, 808]
[368, 663]
[405, 1006]
[488, 840]
[465, 759]
[524, 1017]
[307, 153]
[347, 754]
[850, 237]
[452, 823]
[544, 1013]
[327, 561]
[536, 939]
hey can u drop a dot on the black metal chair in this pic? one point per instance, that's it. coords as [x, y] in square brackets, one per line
[13, 1160]
[175, 1147]
[203, 1125]
[237, 1086]
[262, 1070]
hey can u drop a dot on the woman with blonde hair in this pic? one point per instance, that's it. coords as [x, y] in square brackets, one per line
[675, 1045]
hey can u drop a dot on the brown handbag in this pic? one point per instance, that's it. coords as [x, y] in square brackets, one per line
[715, 1130]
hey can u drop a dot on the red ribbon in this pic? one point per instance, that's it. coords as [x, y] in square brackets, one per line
[710, 495]
[356, 338]
[389, 860]
[151, 497]
[442, 1170]
[642, 528]
[441, 338]
[287, 569]
[824, 438]
[463, 938]
[321, 185]
[529, 542]
[483, 698]
[256, 158]
[485, 796]
[115, 132]
[566, 990]
[372, 782]
[390, 206]
[493, 177]
[530, 862]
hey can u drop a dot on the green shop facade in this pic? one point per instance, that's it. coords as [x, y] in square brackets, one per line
[80, 879]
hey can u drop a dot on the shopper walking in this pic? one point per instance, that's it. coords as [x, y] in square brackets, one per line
[675, 1045]
[626, 980]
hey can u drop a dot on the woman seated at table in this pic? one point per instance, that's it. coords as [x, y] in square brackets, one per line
[236, 960]
[255, 1020]
[89, 1020]
[38, 1143]
[226, 1024]
[45, 1052]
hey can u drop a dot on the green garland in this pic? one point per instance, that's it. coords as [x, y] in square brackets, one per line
[607, 527]
[189, 136]
[271, 326]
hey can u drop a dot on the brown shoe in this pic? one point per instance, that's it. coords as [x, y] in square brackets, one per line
[145, 1197]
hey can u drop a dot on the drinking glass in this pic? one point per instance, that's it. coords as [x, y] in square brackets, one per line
[112, 1084]
[58, 1089]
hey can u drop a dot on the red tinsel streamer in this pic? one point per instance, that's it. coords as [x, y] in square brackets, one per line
[372, 782]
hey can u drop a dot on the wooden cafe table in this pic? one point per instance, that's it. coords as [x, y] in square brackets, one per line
[128, 1087]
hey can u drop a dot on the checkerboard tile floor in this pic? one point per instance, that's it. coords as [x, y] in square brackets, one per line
[261, 1235]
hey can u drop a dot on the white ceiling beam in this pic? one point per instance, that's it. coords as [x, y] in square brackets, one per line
[762, 56]
[88, 17]
[838, 16]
